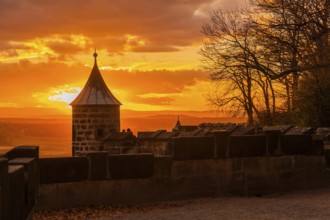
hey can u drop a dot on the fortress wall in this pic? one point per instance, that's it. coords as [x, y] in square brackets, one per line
[224, 145]
[181, 179]
[211, 166]
[249, 165]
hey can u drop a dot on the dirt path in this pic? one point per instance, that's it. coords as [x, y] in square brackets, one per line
[301, 205]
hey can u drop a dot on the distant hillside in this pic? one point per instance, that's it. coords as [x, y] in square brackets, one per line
[34, 112]
[126, 113]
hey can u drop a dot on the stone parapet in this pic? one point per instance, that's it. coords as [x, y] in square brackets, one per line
[184, 179]
[18, 208]
[64, 169]
[19, 182]
[4, 192]
[31, 180]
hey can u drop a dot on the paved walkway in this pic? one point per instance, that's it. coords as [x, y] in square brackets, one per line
[301, 205]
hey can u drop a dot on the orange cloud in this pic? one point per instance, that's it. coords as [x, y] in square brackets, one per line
[54, 84]
[162, 24]
[148, 51]
[143, 82]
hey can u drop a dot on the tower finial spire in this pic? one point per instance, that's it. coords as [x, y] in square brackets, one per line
[95, 56]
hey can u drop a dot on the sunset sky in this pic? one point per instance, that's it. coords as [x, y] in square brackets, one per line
[148, 51]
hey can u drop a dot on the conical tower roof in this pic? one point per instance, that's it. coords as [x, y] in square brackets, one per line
[95, 91]
[177, 126]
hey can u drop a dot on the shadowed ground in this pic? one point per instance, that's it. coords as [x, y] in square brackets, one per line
[300, 205]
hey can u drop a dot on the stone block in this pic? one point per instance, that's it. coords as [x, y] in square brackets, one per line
[17, 208]
[193, 148]
[98, 163]
[261, 183]
[291, 181]
[224, 165]
[255, 164]
[204, 167]
[248, 146]
[283, 163]
[202, 185]
[4, 191]
[224, 181]
[318, 144]
[300, 130]
[237, 183]
[28, 152]
[79, 115]
[240, 131]
[316, 179]
[301, 145]
[31, 180]
[182, 169]
[308, 162]
[327, 157]
[273, 141]
[277, 128]
[162, 166]
[65, 169]
[131, 166]
[222, 143]
[193, 168]
[23, 151]
[236, 164]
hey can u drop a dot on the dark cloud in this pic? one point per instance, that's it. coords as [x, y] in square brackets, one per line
[165, 24]
[153, 81]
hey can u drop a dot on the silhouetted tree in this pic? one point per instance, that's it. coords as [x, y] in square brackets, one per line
[231, 56]
[264, 53]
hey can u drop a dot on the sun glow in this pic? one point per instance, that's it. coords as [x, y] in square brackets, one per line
[64, 94]
[57, 97]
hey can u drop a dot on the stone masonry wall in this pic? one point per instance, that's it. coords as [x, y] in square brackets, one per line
[134, 179]
[103, 179]
[90, 124]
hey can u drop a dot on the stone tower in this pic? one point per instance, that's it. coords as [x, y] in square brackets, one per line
[95, 114]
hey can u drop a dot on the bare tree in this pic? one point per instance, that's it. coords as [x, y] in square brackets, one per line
[230, 56]
[262, 55]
